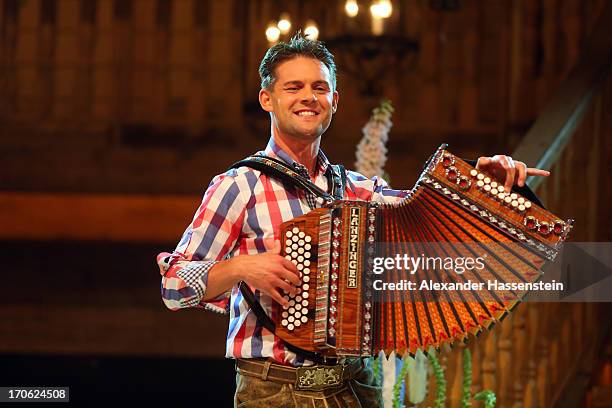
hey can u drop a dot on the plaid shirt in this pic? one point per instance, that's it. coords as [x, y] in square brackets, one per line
[241, 214]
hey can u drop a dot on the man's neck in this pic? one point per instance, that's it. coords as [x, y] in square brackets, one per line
[301, 151]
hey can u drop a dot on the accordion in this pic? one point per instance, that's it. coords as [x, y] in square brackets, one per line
[386, 276]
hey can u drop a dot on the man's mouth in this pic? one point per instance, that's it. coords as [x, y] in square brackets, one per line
[306, 113]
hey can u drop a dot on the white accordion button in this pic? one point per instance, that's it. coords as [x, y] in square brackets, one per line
[291, 310]
[306, 254]
[480, 176]
[307, 247]
[288, 257]
[501, 188]
[301, 234]
[479, 184]
[288, 250]
[521, 200]
[300, 250]
[295, 230]
[298, 307]
[291, 304]
[284, 314]
[288, 234]
[297, 315]
[290, 327]
[298, 298]
[291, 319]
[295, 238]
[486, 181]
[306, 279]
[305, 303]
[494, 184]
[300, 267]
[306, 262]
[284, 322]
[307, 238]
[305, 286]
[508, 199]
[288, 242]
[514, 196]
[305, 295]
[527, 204]
[473, 172]
[304, 319]
[487, 187]
[494, 191]
[501, 196]
[297, 323]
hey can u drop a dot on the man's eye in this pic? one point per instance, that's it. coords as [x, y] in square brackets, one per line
[292, 89]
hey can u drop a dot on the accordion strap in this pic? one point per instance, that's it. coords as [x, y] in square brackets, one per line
[280, 170]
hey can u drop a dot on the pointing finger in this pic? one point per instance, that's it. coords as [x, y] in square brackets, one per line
[537, 172]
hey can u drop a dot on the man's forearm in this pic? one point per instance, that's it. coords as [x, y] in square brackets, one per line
[221, 278]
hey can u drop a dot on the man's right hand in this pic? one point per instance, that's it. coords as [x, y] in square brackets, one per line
[268, 272]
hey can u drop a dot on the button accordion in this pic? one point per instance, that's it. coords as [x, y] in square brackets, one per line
[454, 211]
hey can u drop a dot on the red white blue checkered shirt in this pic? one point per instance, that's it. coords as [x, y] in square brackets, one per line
[241, 214]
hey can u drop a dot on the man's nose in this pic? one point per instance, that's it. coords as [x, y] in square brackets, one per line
[309, 96]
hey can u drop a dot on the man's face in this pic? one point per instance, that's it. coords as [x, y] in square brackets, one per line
[301, 101]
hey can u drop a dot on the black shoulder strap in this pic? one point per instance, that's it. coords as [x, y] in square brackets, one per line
[282, 171]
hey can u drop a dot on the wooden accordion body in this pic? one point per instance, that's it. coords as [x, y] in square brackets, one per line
[454, 211]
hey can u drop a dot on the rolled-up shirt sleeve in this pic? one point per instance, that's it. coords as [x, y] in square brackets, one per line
[211, 236]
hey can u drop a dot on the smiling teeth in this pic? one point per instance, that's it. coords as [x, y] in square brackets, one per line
[306, 113]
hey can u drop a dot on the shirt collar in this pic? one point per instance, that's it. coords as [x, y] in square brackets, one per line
[274, 150]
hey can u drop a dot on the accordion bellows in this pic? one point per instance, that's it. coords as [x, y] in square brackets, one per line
[386, 277]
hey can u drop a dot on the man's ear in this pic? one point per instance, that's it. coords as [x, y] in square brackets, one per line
[335, 99]
[265, 99]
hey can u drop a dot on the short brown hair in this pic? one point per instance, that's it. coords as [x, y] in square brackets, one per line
[297, 46]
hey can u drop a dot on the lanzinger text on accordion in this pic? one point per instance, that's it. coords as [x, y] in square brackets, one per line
[452, 210]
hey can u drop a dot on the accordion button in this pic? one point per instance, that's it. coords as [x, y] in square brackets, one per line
[290, 319]
[487, 180]
[304, 319]
[297, 323]
[298, 299]
[305, 295]
[306, 262]
[305, 286]
[479, 184]
[291, 304]
[288, 250]
[295, 238]
[473, 172]
[300, 267]
[300, 258]
[521, 200]
[288, 257]
[306, 271]
[295, 230]
[307, 247]
[514, 203]
[290, 327]
[288, 242]
[297, 315]
[559, 227]
[284, 322]
[494, 191]
[306, 254]
[494, 184]
[521, 208]
[501, 188]
[480, 176]
[298, 306]
[288, 234]
[508, 199]
[527, 204]
[304, 303]
[301, 234]
[300, 250]
[306, 278]
[487, 187]
[307, 238]
[514, 196]
[501, 196]
[284, 314]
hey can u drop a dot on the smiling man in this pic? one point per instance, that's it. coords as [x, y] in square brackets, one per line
[234, 234]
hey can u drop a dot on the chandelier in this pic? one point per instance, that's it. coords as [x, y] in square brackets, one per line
[365, 53]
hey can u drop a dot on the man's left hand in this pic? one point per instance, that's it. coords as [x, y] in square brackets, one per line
[508, 171]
